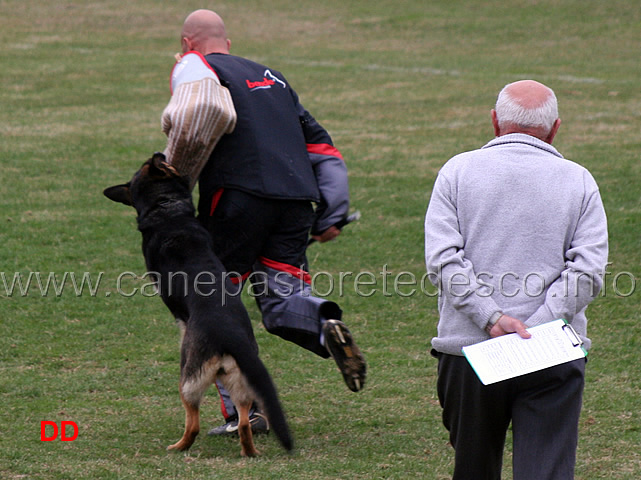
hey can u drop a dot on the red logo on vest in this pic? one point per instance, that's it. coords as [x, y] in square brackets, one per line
[264, 83]
[269, 80]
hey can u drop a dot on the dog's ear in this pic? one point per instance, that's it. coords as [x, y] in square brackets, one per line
[119, 193]
[158, 162]
[157, 159]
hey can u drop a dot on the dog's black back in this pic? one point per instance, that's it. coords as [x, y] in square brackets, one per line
[179, 253]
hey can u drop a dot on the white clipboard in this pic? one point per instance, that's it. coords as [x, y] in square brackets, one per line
[510, 356]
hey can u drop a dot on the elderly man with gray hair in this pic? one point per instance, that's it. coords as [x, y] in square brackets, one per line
[515, 236]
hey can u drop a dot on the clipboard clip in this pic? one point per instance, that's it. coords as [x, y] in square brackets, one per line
[572, 335]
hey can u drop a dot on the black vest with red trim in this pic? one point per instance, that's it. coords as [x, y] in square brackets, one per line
[266, 154]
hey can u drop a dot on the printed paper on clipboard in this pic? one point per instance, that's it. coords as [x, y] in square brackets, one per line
[510, 356]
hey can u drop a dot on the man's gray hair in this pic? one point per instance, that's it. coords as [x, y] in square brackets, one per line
[510, 112]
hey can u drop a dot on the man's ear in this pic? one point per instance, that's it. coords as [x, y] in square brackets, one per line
[553, 131]
[119, 193]
[186, 44]
[495, 123]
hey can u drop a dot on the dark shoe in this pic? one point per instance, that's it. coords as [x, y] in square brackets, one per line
[350, 360]
[257, 421]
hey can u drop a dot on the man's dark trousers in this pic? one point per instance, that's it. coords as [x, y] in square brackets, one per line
[544, 409]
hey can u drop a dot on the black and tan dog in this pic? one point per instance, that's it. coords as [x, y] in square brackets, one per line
[217, 337]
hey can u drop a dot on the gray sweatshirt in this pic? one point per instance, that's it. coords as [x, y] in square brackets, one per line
[514, 228]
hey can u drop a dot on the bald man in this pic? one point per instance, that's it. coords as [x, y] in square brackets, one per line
[204, 31]
[258, 189]
[515, 236]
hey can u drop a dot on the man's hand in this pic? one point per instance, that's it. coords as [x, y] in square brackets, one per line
[505, 325]
[330, 234]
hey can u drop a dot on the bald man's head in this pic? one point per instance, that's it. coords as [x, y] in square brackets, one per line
[526, 107]
[204, 31]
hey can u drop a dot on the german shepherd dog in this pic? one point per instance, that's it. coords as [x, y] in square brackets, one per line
[217, 337]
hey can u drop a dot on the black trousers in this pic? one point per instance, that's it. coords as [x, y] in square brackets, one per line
[246, 227]
[543, 407]
[264, 241]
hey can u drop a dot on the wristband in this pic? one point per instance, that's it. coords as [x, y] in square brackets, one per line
[492, 321]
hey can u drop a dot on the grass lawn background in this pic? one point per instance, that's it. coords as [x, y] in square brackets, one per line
[401, 86]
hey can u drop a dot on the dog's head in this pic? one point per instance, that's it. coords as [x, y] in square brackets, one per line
[156, 183]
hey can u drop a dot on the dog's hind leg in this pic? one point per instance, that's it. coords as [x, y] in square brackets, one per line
[192, 390]
[245, 431]
[192, 422]
[243, 398]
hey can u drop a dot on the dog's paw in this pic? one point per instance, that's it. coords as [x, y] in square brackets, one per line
[179, 446]
[249, 452]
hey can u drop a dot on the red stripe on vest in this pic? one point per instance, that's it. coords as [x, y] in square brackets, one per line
[284, 267]
[324, 149]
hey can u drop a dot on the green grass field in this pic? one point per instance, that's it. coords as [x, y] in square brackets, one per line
[402, 86]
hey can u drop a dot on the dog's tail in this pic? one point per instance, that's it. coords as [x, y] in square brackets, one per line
[261, 382]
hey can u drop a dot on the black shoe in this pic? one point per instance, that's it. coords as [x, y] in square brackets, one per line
[257, 421]
[348, 357]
